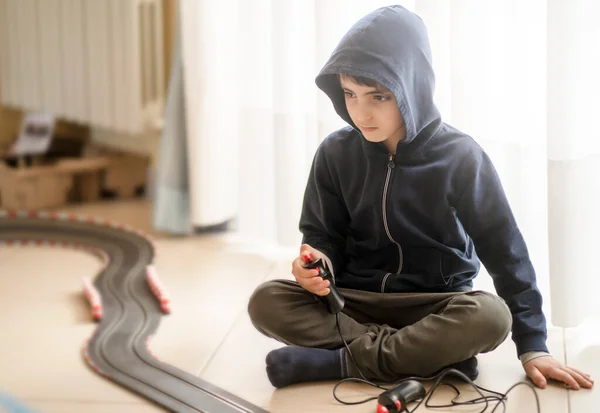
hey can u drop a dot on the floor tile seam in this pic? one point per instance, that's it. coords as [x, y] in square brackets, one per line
[232, 327]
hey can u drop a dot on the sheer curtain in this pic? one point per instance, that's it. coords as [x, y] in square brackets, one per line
[520, 77]
[523, 79]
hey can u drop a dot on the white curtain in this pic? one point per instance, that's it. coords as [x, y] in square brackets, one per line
[521, 77]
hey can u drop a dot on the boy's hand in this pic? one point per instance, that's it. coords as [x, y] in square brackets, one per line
[541, 368]
[309, 279]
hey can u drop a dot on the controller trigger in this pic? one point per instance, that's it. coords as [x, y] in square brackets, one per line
[334, 301]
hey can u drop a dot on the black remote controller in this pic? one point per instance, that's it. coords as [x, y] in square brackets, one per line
[334, 302]
[396, 399]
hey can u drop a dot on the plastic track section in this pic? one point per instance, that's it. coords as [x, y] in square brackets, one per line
[119, 347]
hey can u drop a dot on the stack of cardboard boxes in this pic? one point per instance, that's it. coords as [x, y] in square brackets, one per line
[71, 170]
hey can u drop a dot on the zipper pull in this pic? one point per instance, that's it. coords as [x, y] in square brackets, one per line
[391, 162]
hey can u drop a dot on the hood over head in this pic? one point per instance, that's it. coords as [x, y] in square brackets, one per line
[390, 46]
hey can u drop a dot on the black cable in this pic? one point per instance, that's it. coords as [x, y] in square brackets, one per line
[537, 399]
[363, 380]
[337, 323]
[501, 398]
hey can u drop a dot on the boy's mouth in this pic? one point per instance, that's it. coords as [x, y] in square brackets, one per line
[367, 129]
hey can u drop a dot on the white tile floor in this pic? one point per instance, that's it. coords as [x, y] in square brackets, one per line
[45, 321]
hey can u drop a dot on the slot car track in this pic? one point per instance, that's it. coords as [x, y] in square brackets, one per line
[118, 348]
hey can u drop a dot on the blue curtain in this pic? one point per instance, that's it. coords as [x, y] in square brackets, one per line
[171, 205]
[9, 404]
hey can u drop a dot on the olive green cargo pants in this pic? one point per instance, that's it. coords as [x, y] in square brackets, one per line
[391, 335]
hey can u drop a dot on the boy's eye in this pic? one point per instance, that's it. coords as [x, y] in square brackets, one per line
[381, 97]
[348, 94]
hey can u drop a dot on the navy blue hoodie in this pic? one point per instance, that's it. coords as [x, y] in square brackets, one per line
[420, 220]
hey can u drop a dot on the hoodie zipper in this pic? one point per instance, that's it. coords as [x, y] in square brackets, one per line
[390, 167]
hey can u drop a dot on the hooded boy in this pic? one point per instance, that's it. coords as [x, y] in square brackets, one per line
[402, 207]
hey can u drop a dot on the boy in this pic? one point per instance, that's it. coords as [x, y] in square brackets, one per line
[396, 204]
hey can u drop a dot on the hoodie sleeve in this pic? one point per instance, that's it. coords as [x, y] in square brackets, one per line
[324, 219]
[486, 215]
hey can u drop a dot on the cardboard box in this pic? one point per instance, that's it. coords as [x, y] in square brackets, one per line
[42, 183]
[126, 173]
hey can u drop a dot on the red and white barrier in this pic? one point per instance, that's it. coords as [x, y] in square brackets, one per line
[88, 359]
[159, 291]
[91, 293]
[150, 349]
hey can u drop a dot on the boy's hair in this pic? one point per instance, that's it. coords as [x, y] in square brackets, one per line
[362, 80]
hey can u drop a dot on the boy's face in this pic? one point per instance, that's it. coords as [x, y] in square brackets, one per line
[375, 112]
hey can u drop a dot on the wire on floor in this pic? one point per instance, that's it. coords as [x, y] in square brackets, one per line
[493, 396]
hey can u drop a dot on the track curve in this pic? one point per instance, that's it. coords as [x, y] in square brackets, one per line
[118, 348]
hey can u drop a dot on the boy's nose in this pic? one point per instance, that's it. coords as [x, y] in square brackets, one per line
[364, 117]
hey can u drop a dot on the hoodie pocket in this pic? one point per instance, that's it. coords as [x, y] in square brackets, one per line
[427, 264]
